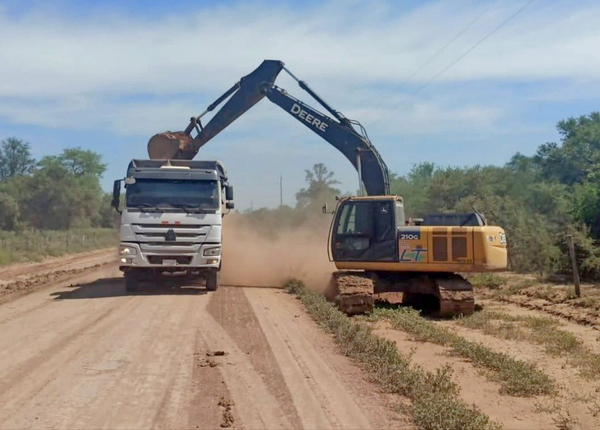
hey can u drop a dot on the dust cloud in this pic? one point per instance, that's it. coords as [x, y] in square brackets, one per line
[255, 256]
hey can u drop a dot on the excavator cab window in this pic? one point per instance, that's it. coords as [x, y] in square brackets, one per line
[365, 231]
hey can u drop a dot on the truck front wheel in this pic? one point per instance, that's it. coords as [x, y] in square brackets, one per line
[131, 281]
[212, 280]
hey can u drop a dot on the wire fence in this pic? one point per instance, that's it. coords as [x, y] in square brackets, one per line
[33, 245]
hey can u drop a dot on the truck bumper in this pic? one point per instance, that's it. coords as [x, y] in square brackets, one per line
[167, 259]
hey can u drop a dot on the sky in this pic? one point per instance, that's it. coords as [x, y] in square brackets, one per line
[431, 81]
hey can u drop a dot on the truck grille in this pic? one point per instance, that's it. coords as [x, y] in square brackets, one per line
[158, 259]
[155, 234]
[194, 226]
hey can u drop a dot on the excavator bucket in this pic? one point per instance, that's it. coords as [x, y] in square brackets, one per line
[171, 145]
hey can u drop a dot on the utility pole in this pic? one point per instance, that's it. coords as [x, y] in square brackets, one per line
[281, 190]
[571, 247]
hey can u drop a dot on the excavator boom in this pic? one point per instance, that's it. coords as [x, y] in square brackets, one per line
[252, 88]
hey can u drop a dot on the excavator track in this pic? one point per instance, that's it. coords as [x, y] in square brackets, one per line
[444, 295]
[449, 295]
[455, 296]
[352, 292]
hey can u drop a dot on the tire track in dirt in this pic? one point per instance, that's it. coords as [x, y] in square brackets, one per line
[320, 398]
[42, 307]
[140, 362]
[50, 362]
[232, 310]
[255, 403]
[207, 385]
[92, 356]
[325, 389]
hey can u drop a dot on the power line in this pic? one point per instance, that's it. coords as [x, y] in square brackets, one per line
[463, 55]
[441, 50]
[468, 51]
[438, 52]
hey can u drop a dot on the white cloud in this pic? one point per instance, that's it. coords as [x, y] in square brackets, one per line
[51, 55]
[136, 75]
[63, 72]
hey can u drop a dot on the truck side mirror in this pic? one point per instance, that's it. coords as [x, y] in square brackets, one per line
[228, 192]
[229, 205]
[116, 195]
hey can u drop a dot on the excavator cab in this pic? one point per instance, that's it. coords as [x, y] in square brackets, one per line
[365, 229]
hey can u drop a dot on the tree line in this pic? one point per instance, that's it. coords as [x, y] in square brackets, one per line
[54, 193]
[537, 199]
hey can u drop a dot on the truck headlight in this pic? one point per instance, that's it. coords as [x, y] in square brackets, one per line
[127, 250]
[212, 252]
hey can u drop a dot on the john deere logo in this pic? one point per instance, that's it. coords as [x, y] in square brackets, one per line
[170, 236]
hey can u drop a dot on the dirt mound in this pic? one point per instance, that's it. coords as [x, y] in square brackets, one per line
[23, 285]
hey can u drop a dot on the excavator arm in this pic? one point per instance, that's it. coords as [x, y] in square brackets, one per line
[339, 132]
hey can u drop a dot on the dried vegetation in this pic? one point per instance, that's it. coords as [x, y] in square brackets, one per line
[435, 400]
[517, 377]
[543, 331]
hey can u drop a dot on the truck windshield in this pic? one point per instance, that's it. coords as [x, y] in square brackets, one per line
[159, 194]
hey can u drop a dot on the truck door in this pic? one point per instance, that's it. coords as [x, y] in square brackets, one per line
[365, 231]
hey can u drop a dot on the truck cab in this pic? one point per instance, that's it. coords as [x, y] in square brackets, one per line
[171, 221]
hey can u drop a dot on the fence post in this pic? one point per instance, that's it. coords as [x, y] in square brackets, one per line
[574, 264]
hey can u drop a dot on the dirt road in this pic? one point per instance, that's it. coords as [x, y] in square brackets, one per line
[91, 356]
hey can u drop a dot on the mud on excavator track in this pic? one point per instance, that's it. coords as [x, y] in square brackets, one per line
[444, 294]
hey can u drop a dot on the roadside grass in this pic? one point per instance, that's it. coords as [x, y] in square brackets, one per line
[35, 245]
[544, 331]
[5, 257]
[516, 377]
[435, 401]
[492, 281]
[514, 288]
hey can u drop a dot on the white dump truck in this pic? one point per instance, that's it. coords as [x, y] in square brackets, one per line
[171, 221]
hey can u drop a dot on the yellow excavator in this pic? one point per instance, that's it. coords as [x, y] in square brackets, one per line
[375, 247]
